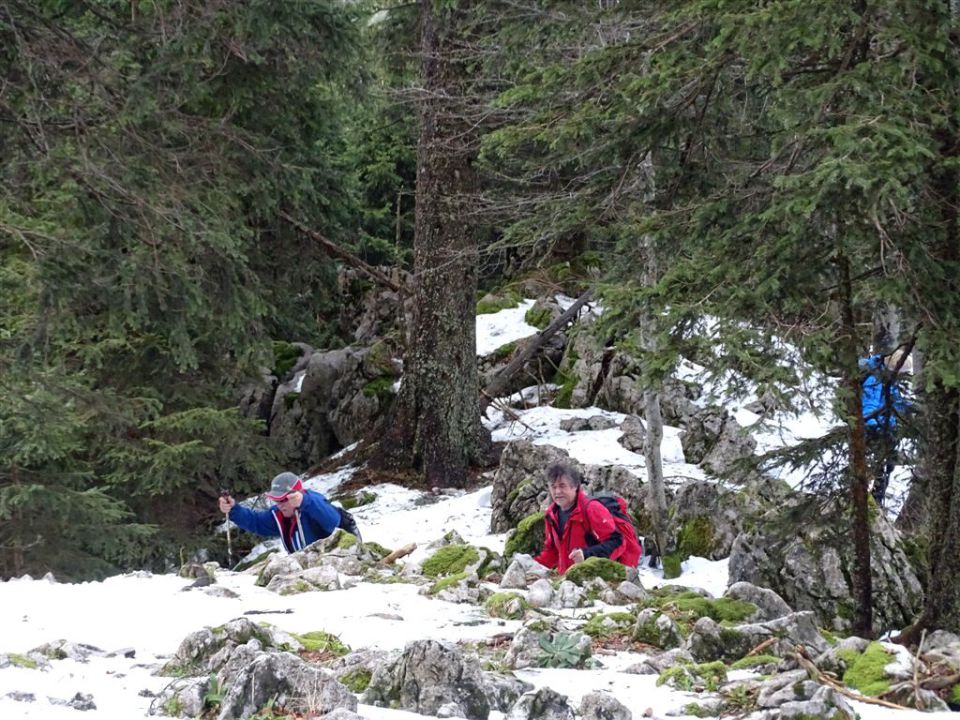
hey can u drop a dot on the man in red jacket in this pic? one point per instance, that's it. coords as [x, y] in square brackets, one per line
[575, 528]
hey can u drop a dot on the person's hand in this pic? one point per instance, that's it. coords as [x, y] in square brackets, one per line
[226, 504]
[295, 499]
[576, 556]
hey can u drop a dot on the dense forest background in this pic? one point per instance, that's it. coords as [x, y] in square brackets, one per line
[170, 169]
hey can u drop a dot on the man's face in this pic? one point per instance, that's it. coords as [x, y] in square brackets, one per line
[563, 492]
[286, 506]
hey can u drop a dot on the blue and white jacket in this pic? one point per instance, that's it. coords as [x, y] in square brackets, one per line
[314, 520]
[880, 399]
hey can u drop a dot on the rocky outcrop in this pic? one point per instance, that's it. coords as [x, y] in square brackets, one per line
[803, 551]
[715, 441]
[251, 666]
[544, 704]
[708, 517]
[337, 400]
[428, 676]
[710, 641]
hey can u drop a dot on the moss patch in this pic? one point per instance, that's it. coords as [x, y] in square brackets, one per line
[489, 305]
[527, 538]
[754, 661]
[380, 388]
[320, 641]
[450, 560]
[285, 356]
[606, 625]
[504, 351]
[377, 549]
[172, 706]
[955, 695]
[507, 605]
[290, 398]
[345, 540]
[23, 661]
[357, 680]
[364, 497]
[865, 670]
[706, 676]
[671, 566]
[604, 568]
[719, 609]
[539, 317]
[696, 537]
[447, 582]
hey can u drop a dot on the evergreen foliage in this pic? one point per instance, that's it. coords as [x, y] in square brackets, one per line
[147, 153]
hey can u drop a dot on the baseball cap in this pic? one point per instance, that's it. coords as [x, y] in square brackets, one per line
[284, 484]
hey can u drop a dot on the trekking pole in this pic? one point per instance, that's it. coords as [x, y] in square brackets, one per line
[226, 493]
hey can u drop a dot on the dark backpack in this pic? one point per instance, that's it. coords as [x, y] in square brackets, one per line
[630, 551]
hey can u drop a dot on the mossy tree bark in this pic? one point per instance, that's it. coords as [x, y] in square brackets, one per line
[856, 438]
[435, 425]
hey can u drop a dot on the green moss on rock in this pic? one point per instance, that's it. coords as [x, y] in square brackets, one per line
[753, 661]
[296, 588]
[380, 388]
[671, 566]
[285, 356]
[596, 567]
[357, 680]
[865, 672]
[22, 661]
[447, 582]
[696, 538]
[507, 605]
[705, 676]
[450, 560]
[605, 625]
[719, 609]
[321, 641]
[527, 538]
[538, 316]
[504, 351]
[364, 497]
[494, 304]
[377, 549]
[345, 540]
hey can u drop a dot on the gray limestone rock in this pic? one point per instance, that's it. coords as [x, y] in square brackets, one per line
[598, 705]
[428, 675]
[769, 605]
[544, 704]
[809, 564]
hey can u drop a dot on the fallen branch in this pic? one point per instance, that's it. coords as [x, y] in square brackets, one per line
[337, 251]
[496, 386]
[506, 410]
[762, 646]
[399, 553]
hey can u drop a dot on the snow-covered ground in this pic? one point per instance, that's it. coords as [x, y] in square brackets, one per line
[139, 619]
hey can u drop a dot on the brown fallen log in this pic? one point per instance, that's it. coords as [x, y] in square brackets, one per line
[499, 382]
[399, 553]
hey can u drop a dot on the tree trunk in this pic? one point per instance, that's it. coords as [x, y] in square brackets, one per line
[941, 444]
[656, 496]
[859, 476]
[942, 606]
[435, 425]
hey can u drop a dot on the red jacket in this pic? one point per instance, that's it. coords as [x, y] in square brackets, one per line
[590, 524]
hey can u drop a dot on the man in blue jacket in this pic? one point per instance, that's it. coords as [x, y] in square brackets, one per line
[299, 517]
[882, 404]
